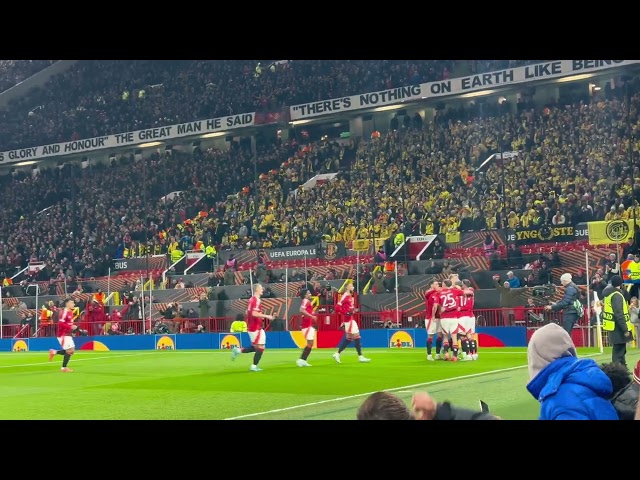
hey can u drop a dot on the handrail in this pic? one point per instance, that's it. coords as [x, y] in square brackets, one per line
[406, 239]
[164, 274]
[20, 272]
[196, 262]
[366, 287]
[111, 295]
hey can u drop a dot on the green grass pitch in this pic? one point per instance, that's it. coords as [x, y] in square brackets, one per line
[208, 385]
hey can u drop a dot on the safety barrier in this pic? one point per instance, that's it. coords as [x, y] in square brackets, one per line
[380, 338]
[496, 327]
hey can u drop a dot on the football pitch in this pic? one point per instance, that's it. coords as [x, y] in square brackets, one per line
[167, 385]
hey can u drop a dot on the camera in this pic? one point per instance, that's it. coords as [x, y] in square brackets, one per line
[543, 291]
[161, 329]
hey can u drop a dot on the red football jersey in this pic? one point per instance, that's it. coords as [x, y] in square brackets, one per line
[254, 323]
[449, 302]
[346, 302]
[465, 302]
[431, 299]
[65, 323]
[307, 322]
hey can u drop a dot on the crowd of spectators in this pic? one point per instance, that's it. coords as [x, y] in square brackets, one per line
[482, 66]
[119, 207]
[13, 72]
[417, 179]
[574, 167]
[99, 97]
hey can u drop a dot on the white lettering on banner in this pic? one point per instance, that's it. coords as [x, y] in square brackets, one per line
[426, 238]
[131, 138]
[302, 252]
[384, 97]
[581, 230]
[456, 86]
[487, 80]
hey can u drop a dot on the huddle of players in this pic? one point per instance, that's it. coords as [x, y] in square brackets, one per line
[345, 308]
[449, 317]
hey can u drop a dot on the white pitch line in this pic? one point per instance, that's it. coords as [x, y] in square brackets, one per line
[78, 360]
[396, 389]
[227, 352]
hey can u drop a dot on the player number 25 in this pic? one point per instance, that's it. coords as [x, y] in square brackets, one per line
[448, 301]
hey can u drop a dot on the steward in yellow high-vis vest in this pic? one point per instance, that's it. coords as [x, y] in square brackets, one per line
[616, 320]
[211, 252]
[398, 239]
[630, 270]
[176, 255]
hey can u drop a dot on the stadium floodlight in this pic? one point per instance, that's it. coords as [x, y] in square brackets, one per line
[149, 144]
[214, 135]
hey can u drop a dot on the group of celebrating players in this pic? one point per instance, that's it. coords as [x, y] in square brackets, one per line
[449, 318]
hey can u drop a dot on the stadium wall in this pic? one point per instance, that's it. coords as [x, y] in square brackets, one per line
[409, 338]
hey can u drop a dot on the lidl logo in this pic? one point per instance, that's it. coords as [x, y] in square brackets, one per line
[401, 339]
[20, 346]
[165, 343]
[229, 341]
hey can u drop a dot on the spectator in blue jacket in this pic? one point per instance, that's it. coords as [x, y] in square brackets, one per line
[514, 282]
[569, 313]
[568, 388]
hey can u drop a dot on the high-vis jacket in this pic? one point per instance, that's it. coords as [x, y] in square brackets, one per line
[630, 271]
[609, 312]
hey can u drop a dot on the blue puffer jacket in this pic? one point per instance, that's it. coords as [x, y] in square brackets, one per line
[573, 389]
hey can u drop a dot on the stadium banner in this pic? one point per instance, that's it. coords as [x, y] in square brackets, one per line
[543, 234]
[139, 137]
[331, 251]
[324, 251]
[455, 86]
[475, 239]
[376, 338]
[154, 262]
[607, 233]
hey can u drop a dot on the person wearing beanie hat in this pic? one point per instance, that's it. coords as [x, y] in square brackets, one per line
[568, 388]
[570, 314]
[616, 320]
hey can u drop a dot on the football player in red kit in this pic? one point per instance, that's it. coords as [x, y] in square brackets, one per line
[307, 310]
[254, 329]
[448, 299]
[432, 320]
[346, 307]
[65, 326]
[467, 322]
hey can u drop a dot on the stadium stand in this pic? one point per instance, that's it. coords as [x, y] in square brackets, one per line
[576, 187]
[13, 72]
[573, 168]
[99, 97]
